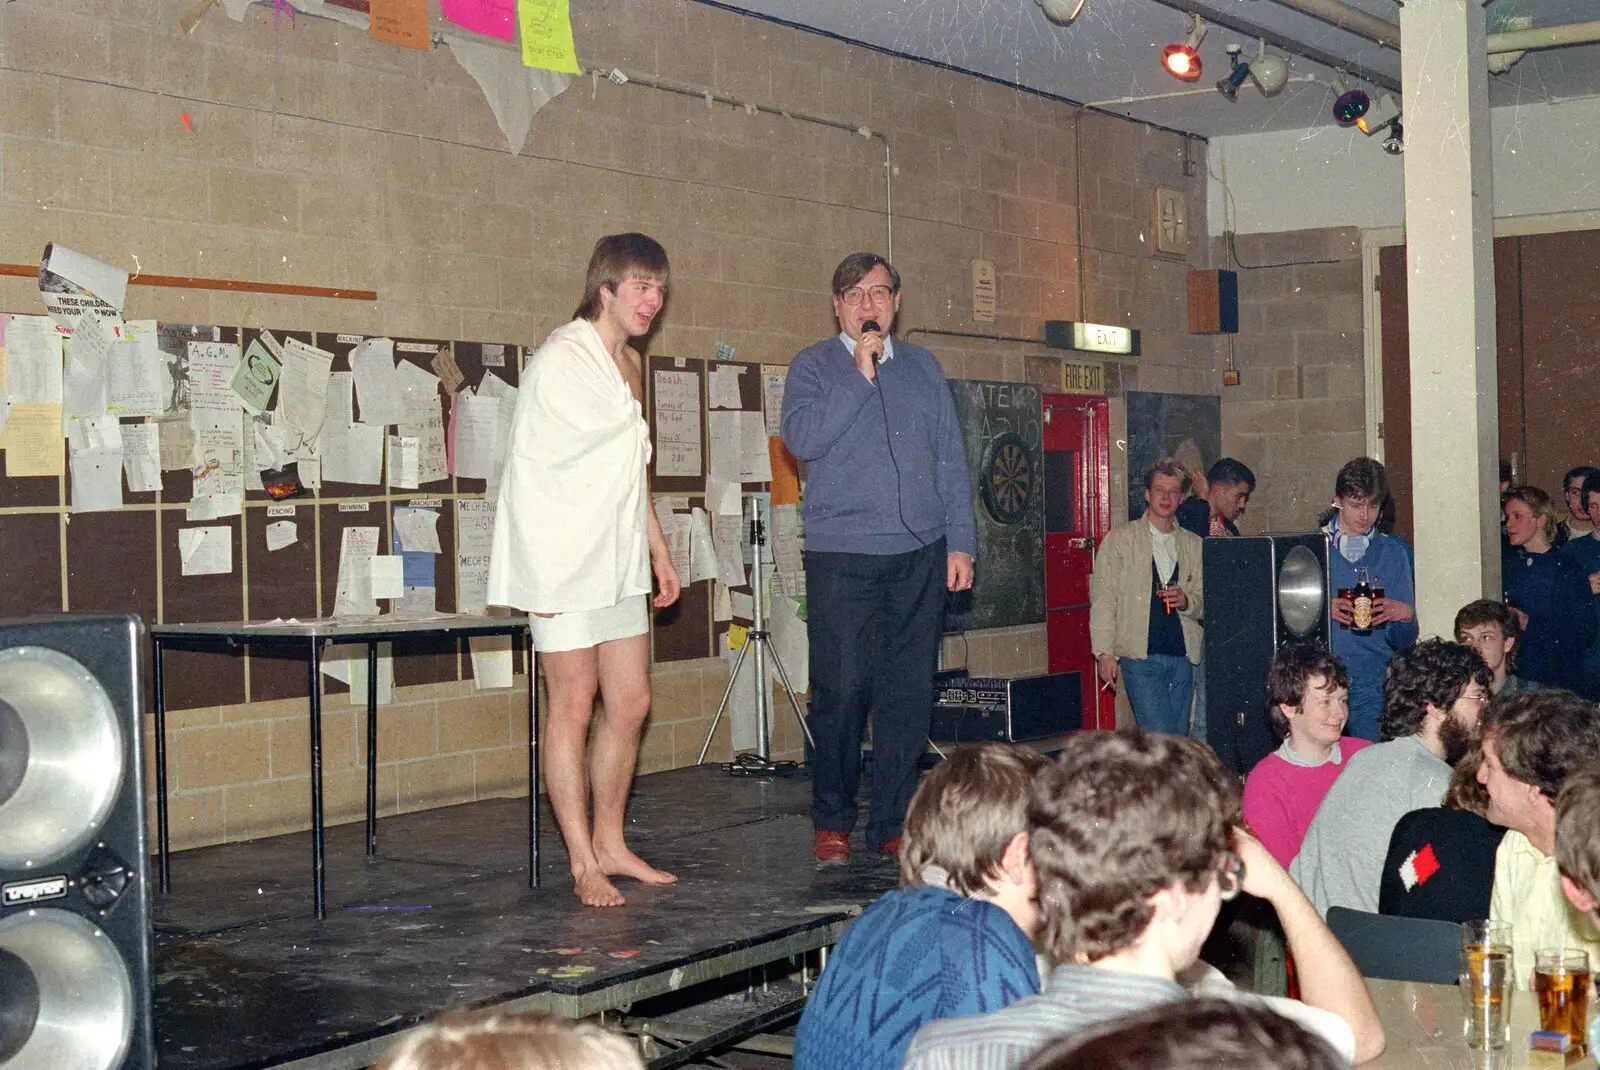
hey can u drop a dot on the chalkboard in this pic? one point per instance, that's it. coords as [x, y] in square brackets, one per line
[1002, 431]
[1185, 427]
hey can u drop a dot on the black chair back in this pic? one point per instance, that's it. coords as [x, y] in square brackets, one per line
[1399, 949]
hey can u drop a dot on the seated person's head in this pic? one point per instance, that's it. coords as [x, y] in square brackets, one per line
[1530, 742]
[1490, 628]
[1308, 696]
[1465, 792]
[1578, 838]
[1436, 690]
[1591, 496]
[967, 828]
[1132, 846]
[1200, 1034]
[493, 1040]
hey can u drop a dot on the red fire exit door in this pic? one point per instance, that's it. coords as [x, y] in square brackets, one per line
[1077, 511]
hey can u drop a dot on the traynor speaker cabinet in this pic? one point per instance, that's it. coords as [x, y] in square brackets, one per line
[1262, 593]
[74, 907]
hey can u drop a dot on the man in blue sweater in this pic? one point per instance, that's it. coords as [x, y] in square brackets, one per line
[955, 938]
[889, 527]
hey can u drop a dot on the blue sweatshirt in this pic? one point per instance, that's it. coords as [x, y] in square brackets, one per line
[860, 498]
[1553, 591]
[915, 955]
[1388, 566]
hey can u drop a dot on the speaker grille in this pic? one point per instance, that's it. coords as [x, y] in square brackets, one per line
[72, 745]
[79, 1013]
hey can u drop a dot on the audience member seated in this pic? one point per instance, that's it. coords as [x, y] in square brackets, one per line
[1578, 840]
[1577, 523]
[1356, 543]
[1135, 856]
[955, 938]
[1440, 864]
[1201, 1034]
[1549, 593]
[495, 1040]
[1490, 628]
[1585, 550]
[1529, 743]
[1220, 498]
[1308, 702]
[1433, 695]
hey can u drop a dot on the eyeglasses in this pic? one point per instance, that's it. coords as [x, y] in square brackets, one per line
[854, 294]
[1230, 879]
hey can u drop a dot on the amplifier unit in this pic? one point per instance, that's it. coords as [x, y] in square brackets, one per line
[974, 709]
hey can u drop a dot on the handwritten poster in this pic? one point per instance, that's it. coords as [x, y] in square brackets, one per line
[547, 35]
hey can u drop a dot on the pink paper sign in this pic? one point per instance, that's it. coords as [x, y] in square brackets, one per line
[496, 18]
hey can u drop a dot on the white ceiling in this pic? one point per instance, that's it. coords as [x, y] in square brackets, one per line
[1113, 51]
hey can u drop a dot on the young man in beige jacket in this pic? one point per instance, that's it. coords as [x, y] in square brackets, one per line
[1145, 606]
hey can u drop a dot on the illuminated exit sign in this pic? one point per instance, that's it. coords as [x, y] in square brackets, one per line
[1089, 337]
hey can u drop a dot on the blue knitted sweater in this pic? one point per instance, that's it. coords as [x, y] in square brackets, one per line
[915, 955]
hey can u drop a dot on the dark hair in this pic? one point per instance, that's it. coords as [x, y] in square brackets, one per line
[1192, 1034]
[1488, 611]
[1290, 674]
[1578, 827]
[1505, 470]
[1434, 672]
[1541, 735]
[617, 257]
[1229, 472]
[1465, 792]
[1584, 472]
[1591, 485]
[1116, 818]
[1538, 503]
[1165, 466]
[853, 268]
[966, 812]
[1362, 478]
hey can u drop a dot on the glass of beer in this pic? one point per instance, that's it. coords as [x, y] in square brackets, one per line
[1561, 983]
[1486, 974]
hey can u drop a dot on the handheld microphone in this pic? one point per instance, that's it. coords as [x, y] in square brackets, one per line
[872, 325]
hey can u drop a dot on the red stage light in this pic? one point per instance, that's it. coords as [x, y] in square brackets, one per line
[1181, 61]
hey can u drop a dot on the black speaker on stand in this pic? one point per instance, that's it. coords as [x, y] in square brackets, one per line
[75, 946]
[1262, 593]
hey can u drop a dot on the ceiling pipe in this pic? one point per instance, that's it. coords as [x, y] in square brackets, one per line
[1386, 33]
[1573, 33]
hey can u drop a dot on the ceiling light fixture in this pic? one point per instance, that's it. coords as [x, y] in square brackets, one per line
[1270, 72]
[1395, 143]
[1379, 115]
[1182, 58]
[1350, 106]
[1061, 12]
[1238, 71]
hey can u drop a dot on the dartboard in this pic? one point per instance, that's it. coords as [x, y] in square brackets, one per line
[1007, 478]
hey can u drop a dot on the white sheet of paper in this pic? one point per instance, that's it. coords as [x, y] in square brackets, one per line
[354, 598]
[417, 602]
[724, 387]
[495, 387]
[141, 456]
[403, 457]
[786, 542]
[724, 497]
[702, 550]
[364, 461]
[727, 536]
[755, 462]
[96, 480]
[477, 427]
[218, 471]
[418, 530]
[206, 551]
[137, 384]
[677, 404]
[303, 385]
[677, 534]
[83, 388]
[721, 604]
[724, 437]
[212, 402]
[177, 442]
[424, 422]
[475, 536]
[388, 576]
[108, 284]
[347, 663]
[491, 661]
[773, 378]
[378, 389]
[33, 361]
[744, 606]
[281, 533]
[790, 641]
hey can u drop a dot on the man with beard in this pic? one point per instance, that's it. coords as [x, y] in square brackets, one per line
[1433, 696]
[1530, 743]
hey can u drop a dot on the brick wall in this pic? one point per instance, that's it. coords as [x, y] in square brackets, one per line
[315, 156]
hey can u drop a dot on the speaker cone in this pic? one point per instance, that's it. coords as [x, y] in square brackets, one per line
[68, 995]
[1300, 591]
[66, 752]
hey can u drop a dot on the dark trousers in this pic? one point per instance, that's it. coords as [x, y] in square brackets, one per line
[874, 623]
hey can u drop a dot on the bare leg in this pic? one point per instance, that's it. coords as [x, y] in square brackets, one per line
[572, 677]
[624, 669]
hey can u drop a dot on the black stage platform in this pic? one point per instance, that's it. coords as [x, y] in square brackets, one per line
[443, 918]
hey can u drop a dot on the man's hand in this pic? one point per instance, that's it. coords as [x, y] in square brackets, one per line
[957, 572]
[1522, 619]
[667, 583]
[869, 347]
[1343, 610]
[1106, 666]
[1174, 597]
[1391, 611]
[1263, 876]
[1594, 583]
[1198, 483]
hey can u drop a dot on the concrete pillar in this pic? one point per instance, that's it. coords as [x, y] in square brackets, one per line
[1450, 268]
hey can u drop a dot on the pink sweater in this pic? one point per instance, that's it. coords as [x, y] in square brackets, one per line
[1281, 798]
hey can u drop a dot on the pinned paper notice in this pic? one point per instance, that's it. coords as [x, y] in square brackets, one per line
[403, 458]
[379, 390]
[256, 377]
[547, 35]
[491, 661]
[281, 533]
[725, 387]
[302, 398]
[475, 427]
[738, 635]
[418, 530]
[444, 365]
[773, 380]
[73, 285]
[400, 22]
[744, 605]
[475, 535]
[702, 550]
[388, 576]
[141, 456]
[212, 402]
[206, 551]
[354, 597]
[138, 384]
[721, 604]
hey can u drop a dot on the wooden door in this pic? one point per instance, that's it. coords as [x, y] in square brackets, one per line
[1077, 512]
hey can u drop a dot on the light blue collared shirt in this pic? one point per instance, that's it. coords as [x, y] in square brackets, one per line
[888, 346]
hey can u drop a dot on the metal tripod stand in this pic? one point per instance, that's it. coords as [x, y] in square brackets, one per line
[758, 640]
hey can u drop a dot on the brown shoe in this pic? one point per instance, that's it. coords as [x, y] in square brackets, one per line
[892, 847]
[831, 848]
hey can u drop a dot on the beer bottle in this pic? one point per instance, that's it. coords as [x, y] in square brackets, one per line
[1361, 622]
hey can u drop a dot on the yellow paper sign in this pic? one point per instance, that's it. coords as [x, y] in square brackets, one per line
[737, 634]
[547, 35]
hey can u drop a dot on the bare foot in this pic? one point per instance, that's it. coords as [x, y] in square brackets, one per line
[625, 863]
[594, 890]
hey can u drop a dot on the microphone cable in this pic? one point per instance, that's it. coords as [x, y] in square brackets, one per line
[888, 440]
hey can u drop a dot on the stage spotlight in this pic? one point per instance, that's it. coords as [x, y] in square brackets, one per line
[1270, 73]
[1240, 70]
[1379, 115]
[1350, 107]
[1061, 12]
[1182, 58]
[1395, 143]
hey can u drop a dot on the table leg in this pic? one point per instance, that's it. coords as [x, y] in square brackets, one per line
[318, 885]
[533, 767]
[163, 848]
[372, 748]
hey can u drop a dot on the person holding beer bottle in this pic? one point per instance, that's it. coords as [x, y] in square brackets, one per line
[1387, 620]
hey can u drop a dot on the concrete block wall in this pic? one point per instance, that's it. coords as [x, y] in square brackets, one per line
[316, 156]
